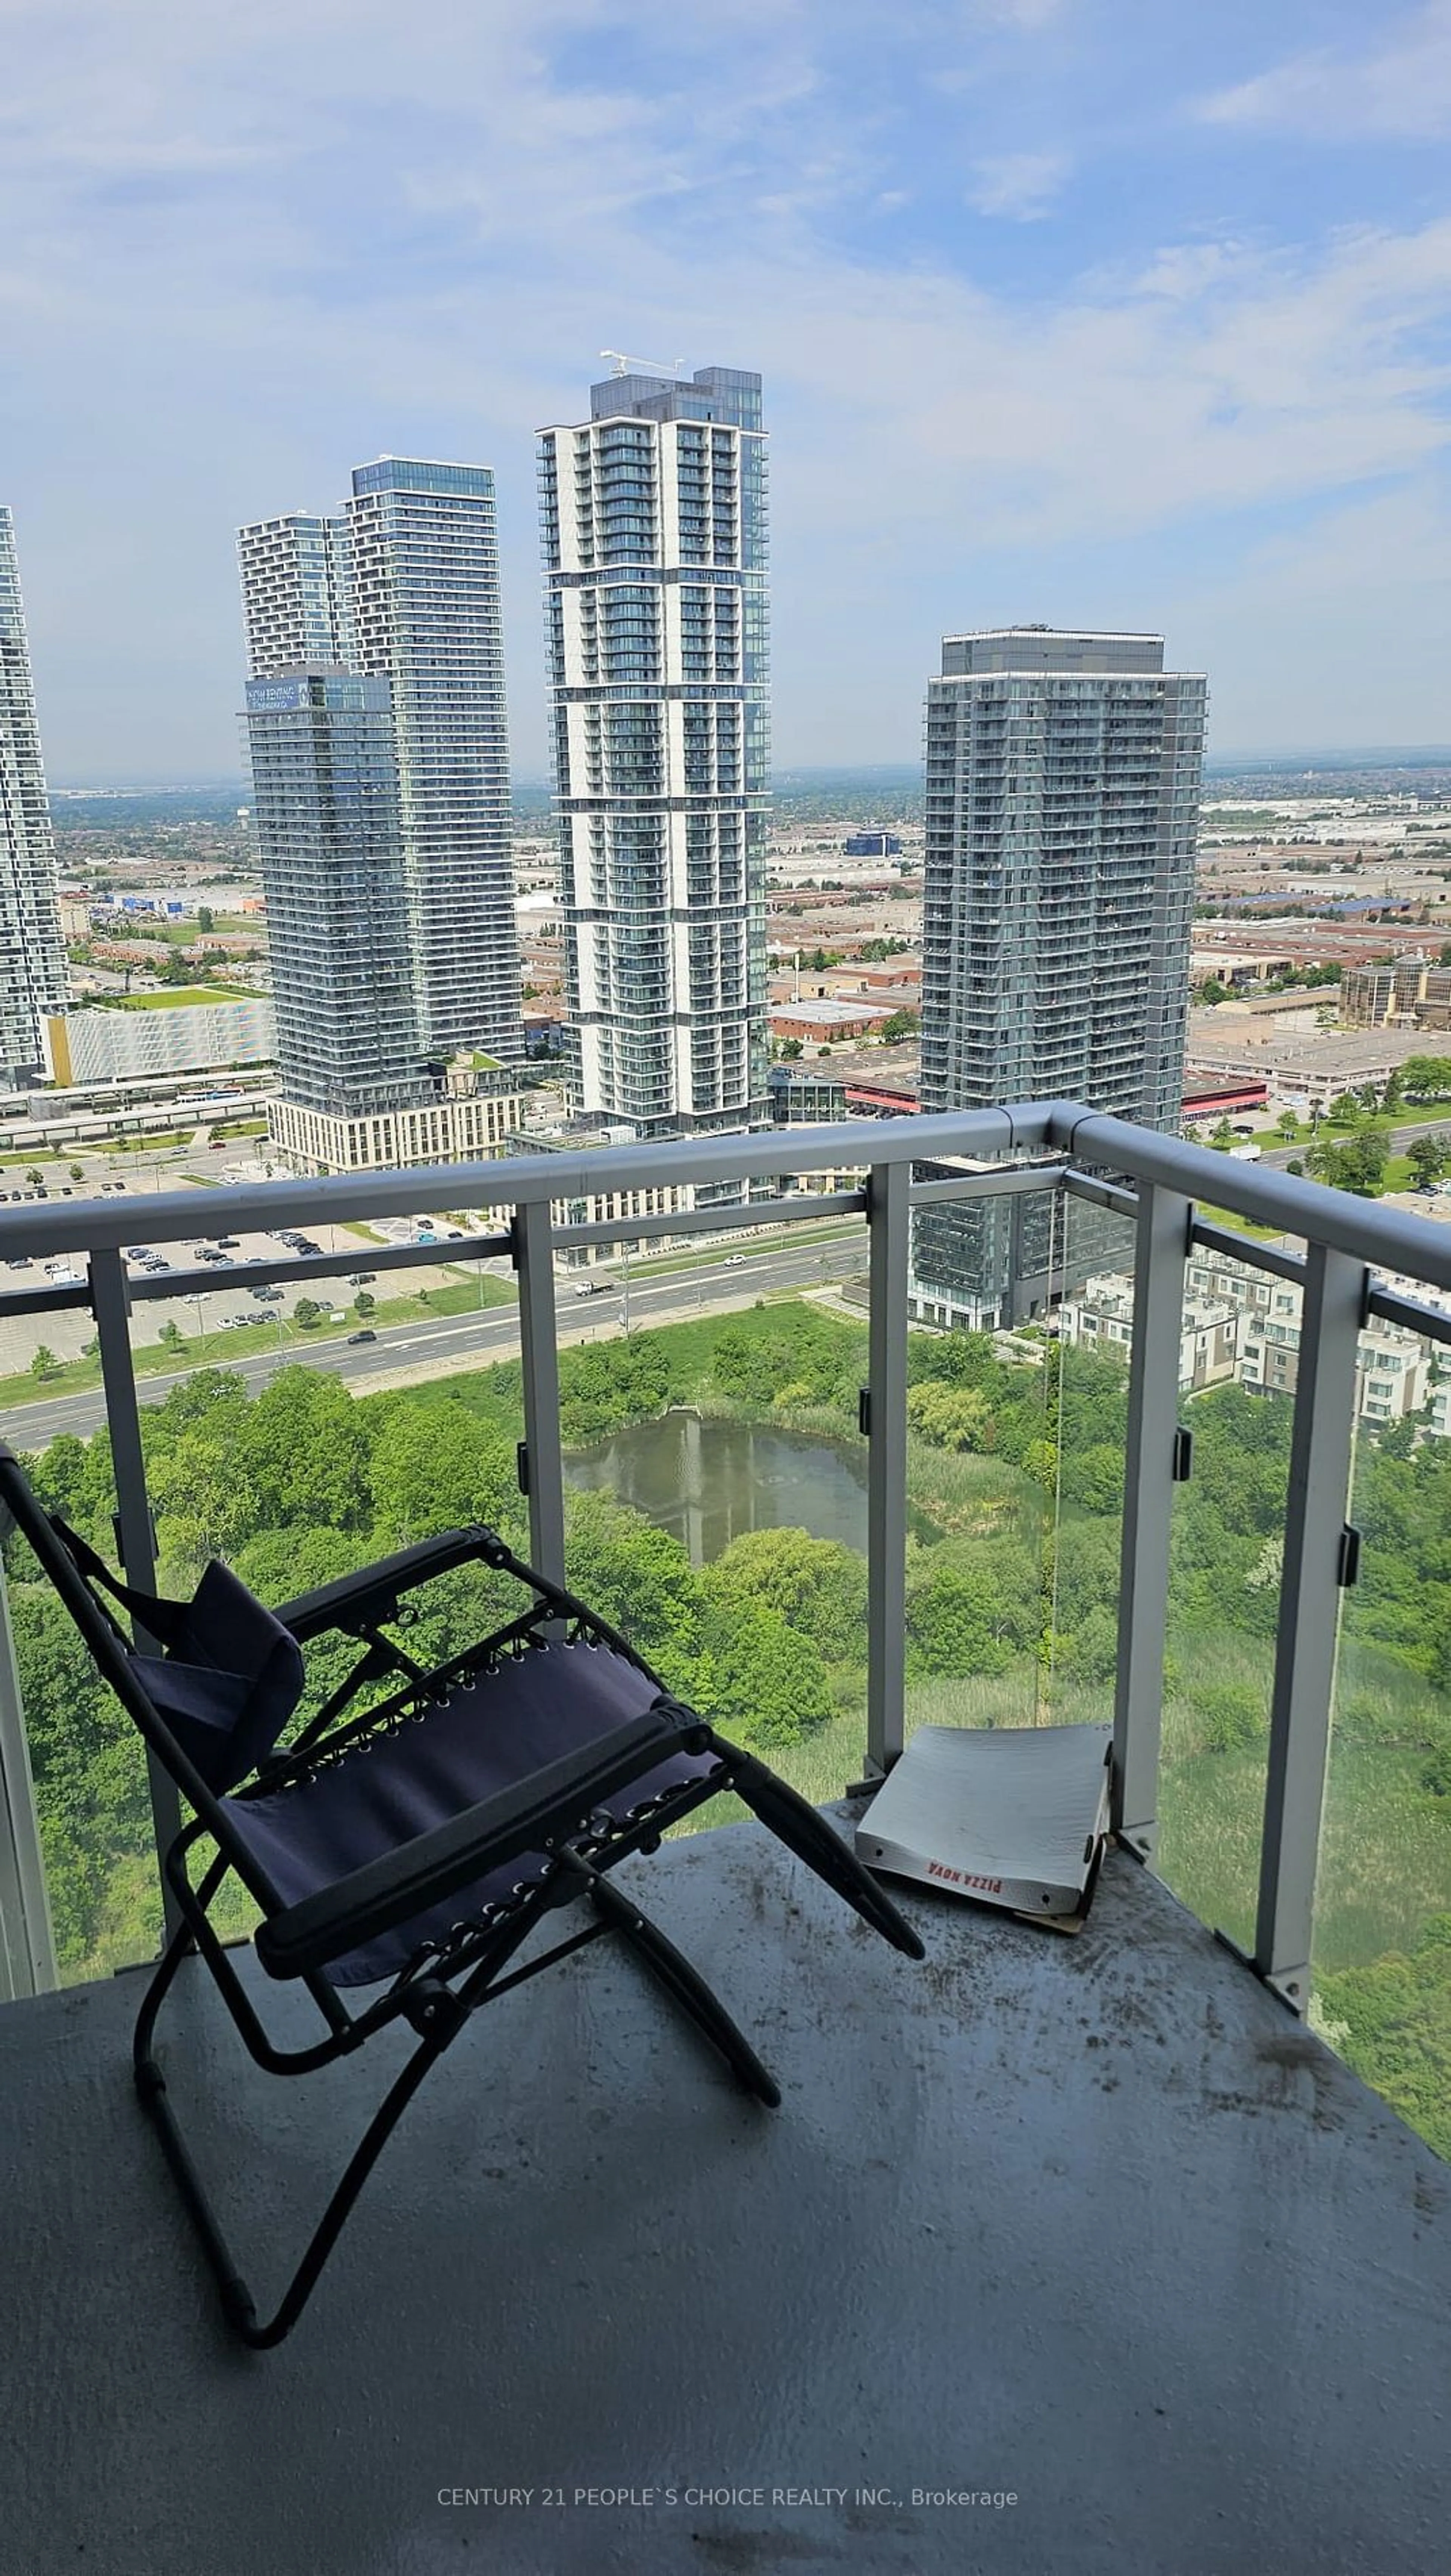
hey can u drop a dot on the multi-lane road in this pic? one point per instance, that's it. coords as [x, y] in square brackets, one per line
[468, 1341]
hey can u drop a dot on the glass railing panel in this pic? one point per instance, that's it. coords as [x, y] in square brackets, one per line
[1094, 1321]
[981, 1458]
[1238, 1365]
[87, 1762]
[1382, 1939]
[716, 1476]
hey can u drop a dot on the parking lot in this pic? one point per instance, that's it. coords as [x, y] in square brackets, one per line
[211, 1313]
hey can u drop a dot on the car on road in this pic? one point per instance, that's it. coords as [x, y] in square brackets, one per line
[734, 1260]
[590, 1288]
[366, 1335]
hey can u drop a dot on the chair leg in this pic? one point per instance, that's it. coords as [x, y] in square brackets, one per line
[797, 1824]
[238, 2304]
[686, 1988]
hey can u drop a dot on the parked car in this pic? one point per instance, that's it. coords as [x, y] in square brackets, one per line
[18, 1263]
[228, 1243]
[366, 1335]
[362, 1278]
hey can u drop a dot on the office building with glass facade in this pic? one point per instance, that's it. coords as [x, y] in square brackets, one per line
[32, 952]
[654, 529]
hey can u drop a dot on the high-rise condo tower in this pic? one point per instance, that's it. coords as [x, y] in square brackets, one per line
[1063, 780]
[654, 531]
[376, 727]
[32, 952]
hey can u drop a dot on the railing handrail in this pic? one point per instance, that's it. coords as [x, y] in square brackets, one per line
[525, 1179]
[1385, 1238]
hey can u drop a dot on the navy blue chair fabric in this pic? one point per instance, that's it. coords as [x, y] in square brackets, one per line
[230, 1675]
[492, 1731]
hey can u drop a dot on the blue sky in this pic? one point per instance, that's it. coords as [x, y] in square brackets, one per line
[1094, 311]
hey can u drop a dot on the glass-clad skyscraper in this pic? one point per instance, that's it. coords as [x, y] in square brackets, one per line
[654, 529]
[375, 722]
[32, 952]
[1062, 811]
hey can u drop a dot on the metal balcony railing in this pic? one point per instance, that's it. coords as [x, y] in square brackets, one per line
[1077, 1154]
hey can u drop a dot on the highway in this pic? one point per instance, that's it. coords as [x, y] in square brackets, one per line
[421, 1349]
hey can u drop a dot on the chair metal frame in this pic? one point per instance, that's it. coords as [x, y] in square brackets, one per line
[556, 1811]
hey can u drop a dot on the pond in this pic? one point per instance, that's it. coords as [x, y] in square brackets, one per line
[706, 1482]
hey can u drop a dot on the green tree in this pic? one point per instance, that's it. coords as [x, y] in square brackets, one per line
[1287, 1124]
[305, 1447]
[753, 1677]
[206, 920]
[1393, 2025]
[790, 1050]
[816, 1586]
[35, 1176]
[306, 1313]
[901, 1024]
[434, 1466]
[637, 1577]
[952, 1623]
[77, 1171]
[44, 1362]
[951, 1417]
[171, 1335]
[1427, 1158]
[365, 1303]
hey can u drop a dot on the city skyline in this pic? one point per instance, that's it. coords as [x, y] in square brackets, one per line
[1116, 318]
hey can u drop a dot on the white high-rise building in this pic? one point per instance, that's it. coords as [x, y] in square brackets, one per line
[32, 951]
[376, 727]
[654, 531]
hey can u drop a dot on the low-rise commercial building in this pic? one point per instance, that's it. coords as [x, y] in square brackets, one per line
[160, 1033]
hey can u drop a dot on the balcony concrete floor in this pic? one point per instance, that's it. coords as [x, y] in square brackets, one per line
[1093, 2221]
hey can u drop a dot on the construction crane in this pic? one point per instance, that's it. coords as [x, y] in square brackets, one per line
[624, 366]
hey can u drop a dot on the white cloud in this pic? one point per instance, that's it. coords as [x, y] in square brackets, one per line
[1020, 185]
[245, 249]
[1403, 88]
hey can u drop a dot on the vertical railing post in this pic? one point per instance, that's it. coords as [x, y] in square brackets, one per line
[1332, 1315]
[889, 1233]
[27, 1942]
[110, 1304]
[1160, 1249]
[539, 1351]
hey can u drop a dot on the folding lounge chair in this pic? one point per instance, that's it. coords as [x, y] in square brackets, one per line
[414, 1846]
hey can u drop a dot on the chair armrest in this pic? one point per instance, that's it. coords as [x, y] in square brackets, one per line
[552, 1803]
[372, 1594]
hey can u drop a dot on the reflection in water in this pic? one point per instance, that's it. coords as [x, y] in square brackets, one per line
[707, 1482]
